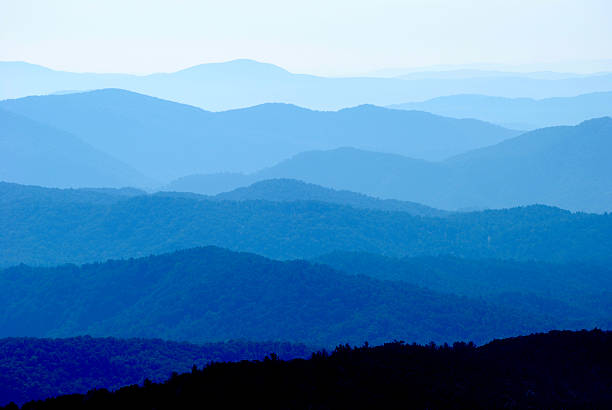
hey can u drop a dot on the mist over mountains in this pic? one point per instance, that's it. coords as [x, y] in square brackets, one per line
[250, 210]
[35, 153]
[165, 140]
[567, 167]
[519, 113]
[243, 83]
[468, 164]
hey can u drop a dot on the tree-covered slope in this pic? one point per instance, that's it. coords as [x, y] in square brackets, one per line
[34, 369]
[578, 291]
[288, 190]
[49, 232]
[11, 193]
[211, 294]
[556, 370]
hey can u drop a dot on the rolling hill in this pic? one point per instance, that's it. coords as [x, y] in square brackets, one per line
[166, 140]
[289, 190]
[519, 113]
[38, 154]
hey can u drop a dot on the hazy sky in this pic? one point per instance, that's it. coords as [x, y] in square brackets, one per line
[311, 36]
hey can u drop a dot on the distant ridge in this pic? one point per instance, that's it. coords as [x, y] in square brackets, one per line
[566, 166]
[166, 140]
[519, 113]
[243, 83]
[293, 190]
[35, 153]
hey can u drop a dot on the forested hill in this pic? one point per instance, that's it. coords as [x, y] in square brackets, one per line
[16, 193]
[33, 369]
[49, 232]
[556, 370]
[211, 294]
[577, 291]
[287, 190]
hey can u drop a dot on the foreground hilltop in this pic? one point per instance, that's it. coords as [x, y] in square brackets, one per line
[34, 369]
[554, 370]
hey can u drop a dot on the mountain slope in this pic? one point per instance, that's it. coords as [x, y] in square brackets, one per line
[574, 290]
[207, 294]
[563, 166]
[167, 140]
[49, 231]
[568, 167]
[34, 153]
[519, 113]
[243, 83]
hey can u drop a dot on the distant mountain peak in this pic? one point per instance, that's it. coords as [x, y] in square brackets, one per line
[596, 122]
[272, 106]
[242, 67]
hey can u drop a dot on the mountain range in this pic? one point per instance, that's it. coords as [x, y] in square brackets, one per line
[567, 167]
[208, 294]
[43, 230]
[518, 113]
[166, 140]
[121, 138]
[243, 83]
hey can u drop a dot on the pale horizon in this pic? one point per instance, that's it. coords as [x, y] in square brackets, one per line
[339, 38]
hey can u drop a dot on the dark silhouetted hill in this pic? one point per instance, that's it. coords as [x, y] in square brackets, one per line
[564, 370]
[34, 369]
